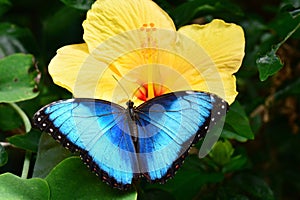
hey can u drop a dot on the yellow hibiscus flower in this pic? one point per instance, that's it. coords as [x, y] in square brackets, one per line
[133, 51]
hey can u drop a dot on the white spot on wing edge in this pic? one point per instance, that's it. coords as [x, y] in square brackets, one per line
[190, 92]
[69, 100]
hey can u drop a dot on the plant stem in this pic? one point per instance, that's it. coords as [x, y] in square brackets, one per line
[22, 115]
[288, 36]
[26, 164]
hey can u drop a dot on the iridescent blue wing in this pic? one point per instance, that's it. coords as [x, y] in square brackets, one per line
[99, 130]
[167, 127]
[119, 149]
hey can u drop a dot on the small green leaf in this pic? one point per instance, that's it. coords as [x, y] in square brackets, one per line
[221, 152]
[13, 187]
[67, 178]
[3, 156]
[235, 163]
[28, 141]
[268, 64]
[237, 121]
[79, 4]
[16, 83]
[228, 134]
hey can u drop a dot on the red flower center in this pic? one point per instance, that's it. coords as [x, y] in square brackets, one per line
[150, 90]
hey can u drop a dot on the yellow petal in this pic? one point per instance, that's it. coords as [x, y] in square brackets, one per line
[64, 67]
[76, 70]
[224, 42]
[108, 18]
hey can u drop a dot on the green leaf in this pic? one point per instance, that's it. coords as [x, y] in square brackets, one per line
[28, 141]
[295, 13]
[157, 194]
[237, 121]
[189, 180]
[50, 153]
[268, 64]
[4, 6]
[254, 186]
[3, 156]
[70, 179]
[244, 186]
[292, 88]
[192, 9]
[235, 163]
[16, 83]
[13, 187]
[221, 152]
[79, 4]
[9, 119]
[64, 20]
[293, 3]
[14, 39]
[285, 25]
[228, 134]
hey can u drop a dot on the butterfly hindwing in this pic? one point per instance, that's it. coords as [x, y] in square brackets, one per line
[168, 125]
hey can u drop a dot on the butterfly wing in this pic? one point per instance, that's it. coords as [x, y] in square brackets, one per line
[102, 132]
[168, 125]
[99, 130]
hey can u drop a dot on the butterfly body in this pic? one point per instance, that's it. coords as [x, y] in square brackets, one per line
[123, 144]
[132, 117]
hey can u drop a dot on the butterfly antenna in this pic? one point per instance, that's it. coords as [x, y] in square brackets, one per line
[121, 86]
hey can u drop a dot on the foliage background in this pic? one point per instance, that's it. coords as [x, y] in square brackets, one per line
[257, 156]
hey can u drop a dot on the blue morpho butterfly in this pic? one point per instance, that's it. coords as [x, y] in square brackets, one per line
[121, 144]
